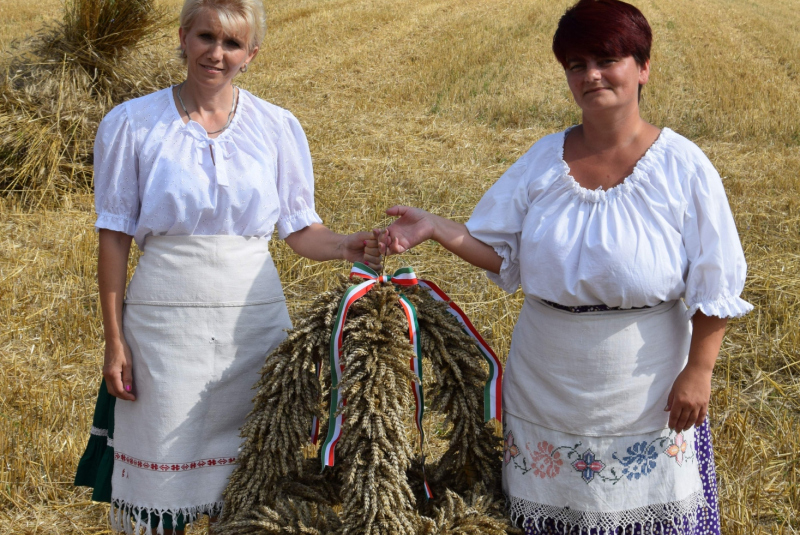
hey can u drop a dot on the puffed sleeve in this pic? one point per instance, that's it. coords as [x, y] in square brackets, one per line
[497, 222]
[295, 180]
[116, 171]
[717, 267]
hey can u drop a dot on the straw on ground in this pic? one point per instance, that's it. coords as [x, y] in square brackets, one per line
[427, 102]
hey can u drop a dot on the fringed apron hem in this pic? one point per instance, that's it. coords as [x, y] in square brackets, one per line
[134, 519]
[652, 519]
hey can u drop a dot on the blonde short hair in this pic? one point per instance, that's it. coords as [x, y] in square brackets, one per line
[233, 15]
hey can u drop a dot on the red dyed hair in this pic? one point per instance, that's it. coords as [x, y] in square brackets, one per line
[602, 28]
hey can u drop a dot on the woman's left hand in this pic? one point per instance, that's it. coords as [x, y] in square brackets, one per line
[688, 400]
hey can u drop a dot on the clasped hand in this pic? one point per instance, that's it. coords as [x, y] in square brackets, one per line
[412, 227]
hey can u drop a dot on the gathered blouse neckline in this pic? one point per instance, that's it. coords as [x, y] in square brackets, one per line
[197, 129]
[638, 174]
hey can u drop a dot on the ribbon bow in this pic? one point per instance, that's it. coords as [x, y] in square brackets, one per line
[402, 277]
[221, 149]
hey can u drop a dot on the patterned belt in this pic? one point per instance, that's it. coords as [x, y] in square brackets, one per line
[588, 308]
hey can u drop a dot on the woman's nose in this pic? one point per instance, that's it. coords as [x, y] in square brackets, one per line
[592, 73]
[215, 51]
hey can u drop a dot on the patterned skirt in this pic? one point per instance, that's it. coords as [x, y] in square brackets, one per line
[587, 447]
[705, 518]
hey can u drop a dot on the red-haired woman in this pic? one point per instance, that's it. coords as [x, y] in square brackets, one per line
[621, 236]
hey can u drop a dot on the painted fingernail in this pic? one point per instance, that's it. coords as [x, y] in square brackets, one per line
[365, 243]
[127, 388]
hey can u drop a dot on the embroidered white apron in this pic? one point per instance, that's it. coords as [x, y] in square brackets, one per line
[586, 437]
[201, 314]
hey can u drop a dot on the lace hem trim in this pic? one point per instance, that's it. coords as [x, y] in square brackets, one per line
[296, 221]
[681, 515]
[115, 222]
[133, 519]
[508, 276]
[727, 306]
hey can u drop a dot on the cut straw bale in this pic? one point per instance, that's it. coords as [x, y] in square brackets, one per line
[57, 85]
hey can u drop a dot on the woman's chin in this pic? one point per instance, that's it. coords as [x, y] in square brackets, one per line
[600, 105]
[208, 78]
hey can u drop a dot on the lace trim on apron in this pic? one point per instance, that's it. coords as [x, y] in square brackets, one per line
[681, 515]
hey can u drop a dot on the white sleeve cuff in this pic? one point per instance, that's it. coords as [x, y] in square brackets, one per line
[115, 222]
[722, 307]
[297, 221]
[509, 278]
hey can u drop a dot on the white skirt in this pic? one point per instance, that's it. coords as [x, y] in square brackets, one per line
[201, 314]
[586, 436]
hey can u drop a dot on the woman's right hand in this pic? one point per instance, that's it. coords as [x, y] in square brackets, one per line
[412, 227]
[118, 371]
[112, 270]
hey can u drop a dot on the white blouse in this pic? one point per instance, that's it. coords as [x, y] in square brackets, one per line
[155, 175]
[665, 233]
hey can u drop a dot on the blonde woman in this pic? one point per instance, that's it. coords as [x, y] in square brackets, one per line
[199, 175]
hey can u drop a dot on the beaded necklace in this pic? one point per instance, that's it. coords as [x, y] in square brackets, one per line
[230, 115]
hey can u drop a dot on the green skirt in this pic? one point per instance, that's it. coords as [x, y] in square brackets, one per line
[97, 462]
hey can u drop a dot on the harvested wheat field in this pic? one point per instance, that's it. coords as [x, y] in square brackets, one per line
[421, 102]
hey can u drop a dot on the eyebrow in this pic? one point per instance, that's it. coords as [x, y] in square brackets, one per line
[202, 30]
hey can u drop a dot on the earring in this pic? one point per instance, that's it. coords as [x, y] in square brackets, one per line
[183, 53]
[243, 68]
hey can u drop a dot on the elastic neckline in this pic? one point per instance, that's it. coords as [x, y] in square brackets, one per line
[628, 183]
[202, 131]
